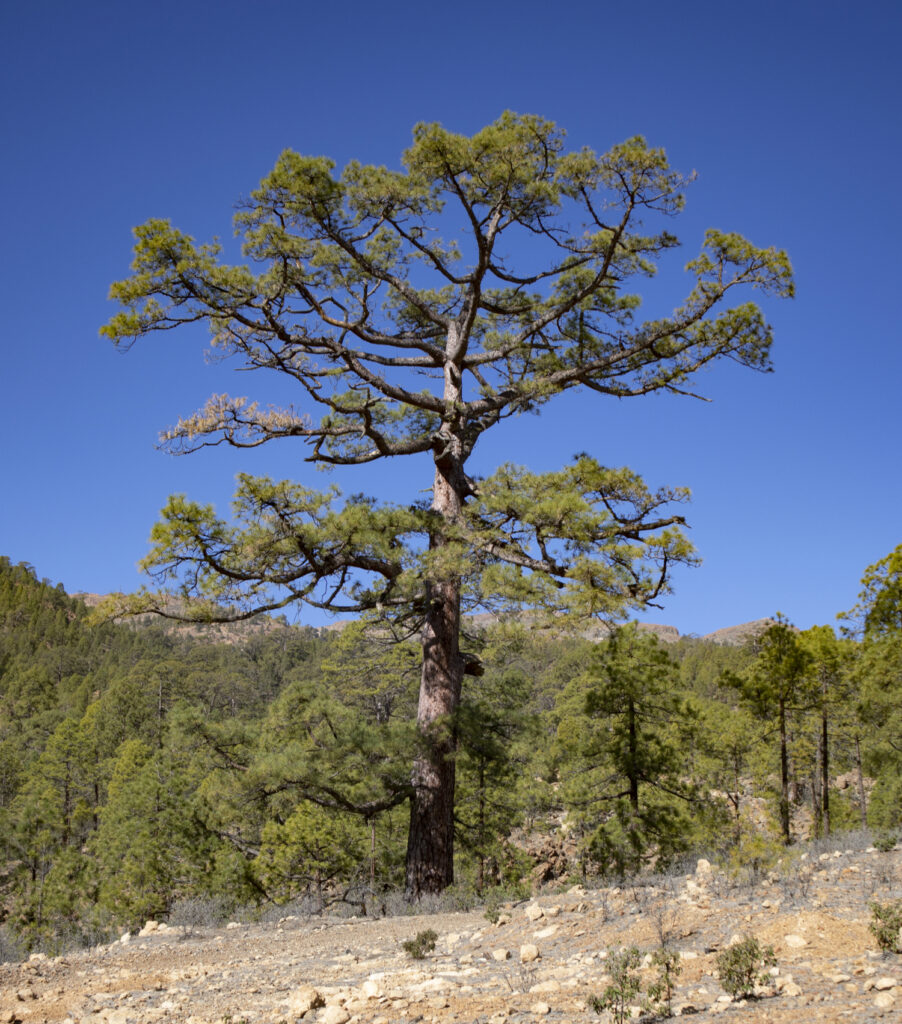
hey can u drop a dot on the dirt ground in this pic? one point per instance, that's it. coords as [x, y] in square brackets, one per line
[815, 914]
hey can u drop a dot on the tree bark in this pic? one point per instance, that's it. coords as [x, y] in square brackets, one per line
[862, 794]
[430, 839]
[634, 758]
[825, 769]
[784, 776]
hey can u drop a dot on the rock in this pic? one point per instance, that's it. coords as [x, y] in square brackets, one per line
[795, 941]
[306, 998]
[432, 985]
[540, 1009]
[884, 984]
[232, 925]
[552, 911]
[529, 953]
[534, 912]
[884, 1001]
[838, 979]
[125, 938]
[501, 955]
[370, 989]
[334, 1015]
[26, 994]
[684, 1009]
[703, 868]
[546, 933]
[544, 987]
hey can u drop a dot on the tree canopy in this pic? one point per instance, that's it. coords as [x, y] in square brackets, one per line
[415, 309]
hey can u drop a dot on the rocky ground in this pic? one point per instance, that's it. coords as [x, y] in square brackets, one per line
[541, 961]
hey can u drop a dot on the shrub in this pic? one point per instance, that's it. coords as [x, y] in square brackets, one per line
[423, 943]
[886, 925]
[659, 998]
[500, 895]
[743, 966]
[624, 985]
[885, 841]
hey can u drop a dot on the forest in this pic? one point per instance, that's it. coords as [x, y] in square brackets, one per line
[144, 766]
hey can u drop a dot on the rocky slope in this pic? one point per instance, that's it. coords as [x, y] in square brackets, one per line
[541, 960]
[234, 632]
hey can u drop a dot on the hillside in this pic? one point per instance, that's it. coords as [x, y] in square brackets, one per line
[233, 632]
[541, 960]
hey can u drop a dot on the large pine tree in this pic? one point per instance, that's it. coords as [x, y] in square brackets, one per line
[406, 344]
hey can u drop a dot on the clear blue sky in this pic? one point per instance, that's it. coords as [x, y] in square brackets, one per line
[790, 113]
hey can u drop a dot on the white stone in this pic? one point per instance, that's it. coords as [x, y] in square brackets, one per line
[795, 941]
[534, 912]
[232, 925]
[501, 955]
[883, 984]
[544, 987]
[334, 1015]
[305, 999]
[703, 867]
[528, 953]
[540, 1009]
[545, 933]
[884, 1001]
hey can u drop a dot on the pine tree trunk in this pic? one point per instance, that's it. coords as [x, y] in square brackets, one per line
[633, 772]
[862, 794]
[825, 771]
[784, 777]
[430, 839]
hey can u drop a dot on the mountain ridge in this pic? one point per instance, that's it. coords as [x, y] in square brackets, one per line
[728, 636]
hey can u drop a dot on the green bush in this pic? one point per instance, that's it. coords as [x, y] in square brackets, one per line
[659, 997]
[423, 943]
[886, 925]
[885, 841]
[625, 985]
[743, 966]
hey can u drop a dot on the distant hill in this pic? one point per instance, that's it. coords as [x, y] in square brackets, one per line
[736, 636]
[235, 632]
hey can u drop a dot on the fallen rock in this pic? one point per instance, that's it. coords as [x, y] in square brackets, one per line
[544, 987]
[534, 912]
[501, 954]
[306, 998]
[370, 989]
[528, 953]
[334, 1015]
